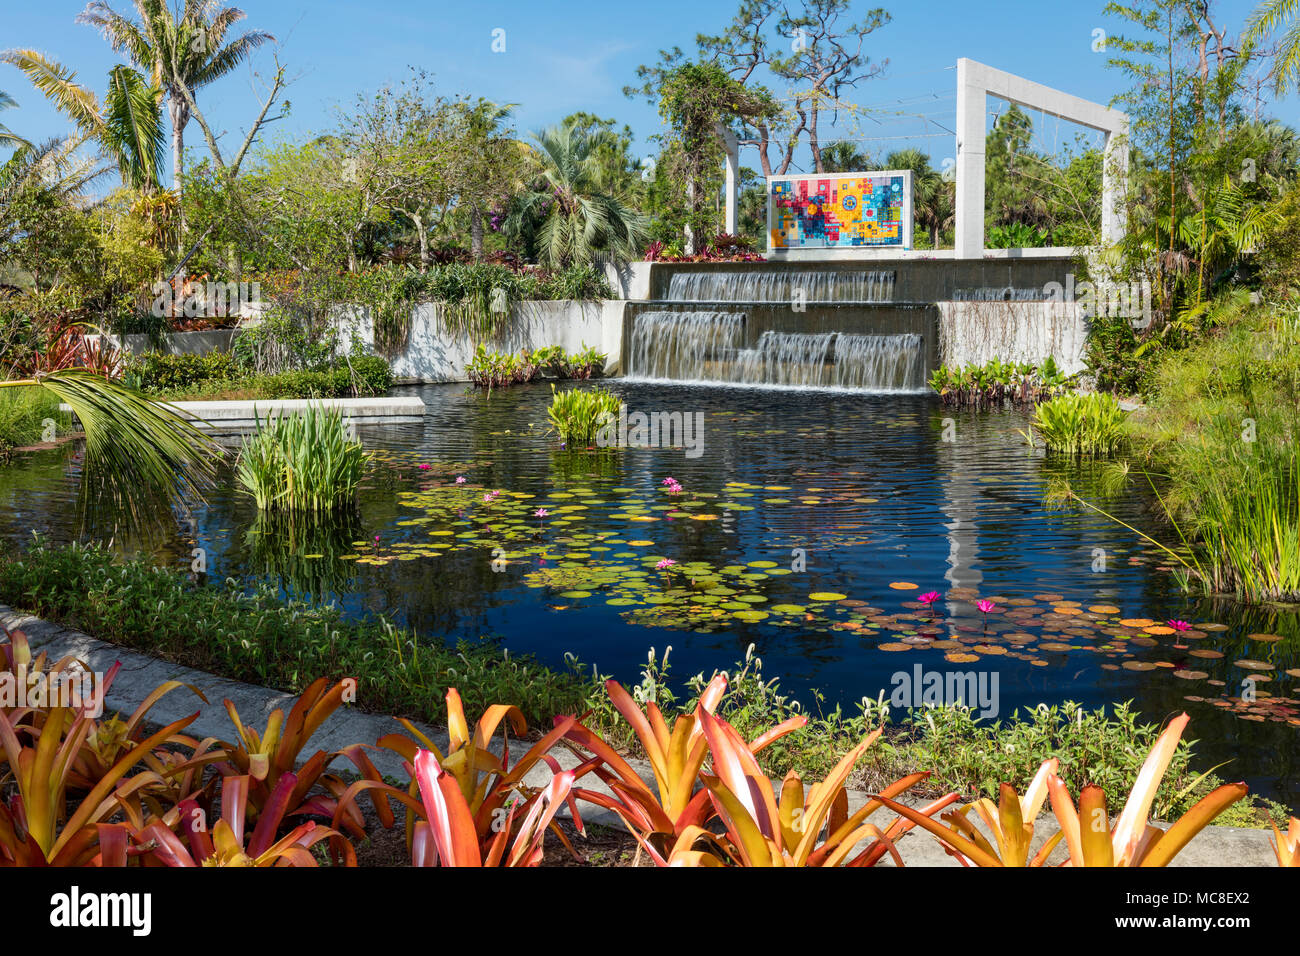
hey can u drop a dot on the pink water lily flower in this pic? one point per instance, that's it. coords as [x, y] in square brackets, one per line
[985, 606]
[460, 479]
[665, 564]
[929, 597]
[423, 466]
[670, 480]
[1180, 625]
[540, 513]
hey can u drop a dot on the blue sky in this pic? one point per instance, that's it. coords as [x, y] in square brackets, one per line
[561, 57]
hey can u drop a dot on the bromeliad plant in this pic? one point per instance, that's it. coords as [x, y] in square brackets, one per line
[39, 824]
[1010, 821]
[804, 829]
[1286, 846]
[182, 838]
[1087, 830]
[266, 757]
[449, 834]
[660, 822]
[485, 782]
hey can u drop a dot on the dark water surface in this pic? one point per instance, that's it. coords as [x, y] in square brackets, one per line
[834, 494]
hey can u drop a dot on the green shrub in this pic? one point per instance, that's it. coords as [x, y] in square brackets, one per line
[155, 372]
[497, 369]
[302, 462]
[1077, 424]
[368, 375]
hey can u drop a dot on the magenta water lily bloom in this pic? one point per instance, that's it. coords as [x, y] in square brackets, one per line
[460, 479]
[929, 597]
[1180, 625]
[985, 606]
[540, 513]
[665, 564]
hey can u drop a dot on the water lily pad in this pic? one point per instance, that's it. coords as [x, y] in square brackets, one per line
[824, 596]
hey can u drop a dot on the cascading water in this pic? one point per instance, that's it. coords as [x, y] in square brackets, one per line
[784, 286]
[682, 345]
[1004, 294]
[709, 347]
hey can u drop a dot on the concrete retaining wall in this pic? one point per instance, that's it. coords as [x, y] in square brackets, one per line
[177, 343]
[972, 333]
[433, 356]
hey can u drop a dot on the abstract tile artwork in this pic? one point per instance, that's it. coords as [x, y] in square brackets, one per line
[838, 210]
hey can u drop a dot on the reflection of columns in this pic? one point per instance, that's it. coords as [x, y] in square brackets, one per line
[732, 146]
[959, 506]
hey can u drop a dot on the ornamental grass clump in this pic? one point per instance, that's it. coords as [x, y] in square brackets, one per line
[304, 462]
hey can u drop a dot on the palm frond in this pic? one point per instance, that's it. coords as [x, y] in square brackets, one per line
[134, 127]
[138, 453]
[58, 85]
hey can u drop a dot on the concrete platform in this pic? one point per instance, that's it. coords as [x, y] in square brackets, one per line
[141, 673]
[221, 418]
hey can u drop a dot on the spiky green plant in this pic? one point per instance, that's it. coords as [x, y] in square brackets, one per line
[138, 453]
[302, 462]
[1079, 424]
[578, 415]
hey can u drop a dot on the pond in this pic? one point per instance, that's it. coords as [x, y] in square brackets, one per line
[807, 522]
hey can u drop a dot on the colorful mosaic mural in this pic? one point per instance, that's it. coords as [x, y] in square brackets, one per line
[838, 210]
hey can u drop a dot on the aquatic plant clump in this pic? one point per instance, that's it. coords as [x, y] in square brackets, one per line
[1078, 424]
[305, 462]
[578, 415]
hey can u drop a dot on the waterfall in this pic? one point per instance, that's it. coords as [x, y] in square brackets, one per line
[710, 347]
[1002, 294]
[882, 362]
[773, 286]
[682, 345]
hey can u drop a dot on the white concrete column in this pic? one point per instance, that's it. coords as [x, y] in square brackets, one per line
[971, 122]
[1114, 179]
[732, 145]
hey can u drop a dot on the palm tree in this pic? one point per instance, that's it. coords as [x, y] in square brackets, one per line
[932, 203]
[577, 219]
[1267, 18]
[843, 156]
[192, 51]
[8, 138]
[127, 125]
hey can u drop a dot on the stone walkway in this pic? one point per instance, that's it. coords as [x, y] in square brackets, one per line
[141, 673]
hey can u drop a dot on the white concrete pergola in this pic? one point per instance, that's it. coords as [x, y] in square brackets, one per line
[975, 83]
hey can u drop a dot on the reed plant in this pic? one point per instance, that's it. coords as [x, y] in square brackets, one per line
[306, 462]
